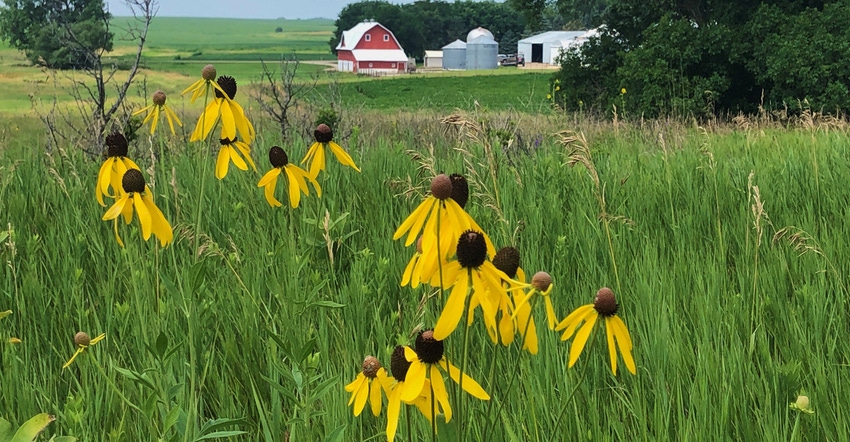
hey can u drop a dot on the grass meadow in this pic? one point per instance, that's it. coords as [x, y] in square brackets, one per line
[726, 246]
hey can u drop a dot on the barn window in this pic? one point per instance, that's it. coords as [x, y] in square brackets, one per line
[393, 64]
[370, 65]
[368, 37]
[386, 37]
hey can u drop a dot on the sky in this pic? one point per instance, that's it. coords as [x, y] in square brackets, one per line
[243, 8]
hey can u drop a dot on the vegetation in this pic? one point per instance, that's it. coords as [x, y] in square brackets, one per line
[57, 34]
[698, 59]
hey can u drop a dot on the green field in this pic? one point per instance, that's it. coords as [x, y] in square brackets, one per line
[726, 246]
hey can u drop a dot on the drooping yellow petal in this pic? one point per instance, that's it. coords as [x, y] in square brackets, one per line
[581, 338]
[412, 225]
[76, 353]
[228, 124]
[408, 271]
[161, 226]
[469, 385]
[116, 208]
[222, 162]
[115, 229]
[143, 110]
[193, 87]
[414, 382]
[453, 310]
[144, 216]
[103, 178]
[268, 192]
[155, 119]
[270, 176]
[245, 150]
[612, 350]
[361, 395]
[624, 342]
[375, 398]
[237, 159]
[393, 408]
[572, 321]
[439, 388]
[342, 156]
[294, 191]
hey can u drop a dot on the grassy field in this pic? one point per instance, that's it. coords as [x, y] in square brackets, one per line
[726, 246]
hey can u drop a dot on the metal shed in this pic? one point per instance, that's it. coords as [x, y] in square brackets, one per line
[545, 47]
[482, 52]
[433, 59]
[454, 55]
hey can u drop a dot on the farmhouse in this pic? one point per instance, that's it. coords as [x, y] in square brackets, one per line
[370, 48]
[545, 47]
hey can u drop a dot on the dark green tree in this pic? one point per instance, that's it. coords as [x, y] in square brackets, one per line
[61, 34]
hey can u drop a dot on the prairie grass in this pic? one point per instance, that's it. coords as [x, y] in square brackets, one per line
[258, 328]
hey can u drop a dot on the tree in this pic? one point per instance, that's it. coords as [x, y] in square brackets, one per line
[59, 34]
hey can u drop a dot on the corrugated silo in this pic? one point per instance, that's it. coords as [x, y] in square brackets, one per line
[454, 55]
[482, 52]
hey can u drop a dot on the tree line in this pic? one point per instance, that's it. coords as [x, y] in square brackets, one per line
[430, 25]
[705, 57]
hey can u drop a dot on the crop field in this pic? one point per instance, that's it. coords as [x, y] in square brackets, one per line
[726, 248]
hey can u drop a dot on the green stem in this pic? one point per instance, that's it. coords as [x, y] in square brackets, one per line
[573, 392]
[611, 251]
[460, 400]
[796, 427]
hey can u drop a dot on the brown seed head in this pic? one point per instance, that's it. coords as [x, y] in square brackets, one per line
[82, 338]
[371, 367]
[133, 181]
[471, 249]
[116, 145]
[278, 157]
[323, 133]
[441, 187]
[605, 303]
[541, 281]
[228, 84]
[208, 72]
[159, 98]
[507, 260]
[460, 189]
[399, 364]
[429, 350]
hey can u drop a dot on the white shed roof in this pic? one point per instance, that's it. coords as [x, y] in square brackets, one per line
[553, 36]
[434, 54]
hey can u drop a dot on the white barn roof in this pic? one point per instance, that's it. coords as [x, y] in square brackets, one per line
[351, 37]
[396, 55]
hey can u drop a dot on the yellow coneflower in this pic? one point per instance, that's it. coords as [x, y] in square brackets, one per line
[137, 195]
[230, 150]
[400, 366]
[605, 305]
[470, 273]
[426, 361]
[296, 176]
[368, 385]
[82, 341]
[453, 221]
[232, 115]
[112, 170]
[204, 85]
[154, 110]
[315, 157]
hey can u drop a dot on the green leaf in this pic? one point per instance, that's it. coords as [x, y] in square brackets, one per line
[5, 430]
[171, 418]
[328, 304]
[30, 429]
[4, 314]
[222, 434]
[336, 435]
[63, 439]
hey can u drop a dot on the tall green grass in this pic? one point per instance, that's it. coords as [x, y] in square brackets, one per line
[273, 314]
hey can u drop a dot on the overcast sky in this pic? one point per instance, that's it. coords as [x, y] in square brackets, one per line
[243, 8]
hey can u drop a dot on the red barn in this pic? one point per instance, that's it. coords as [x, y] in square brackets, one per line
[370, 48]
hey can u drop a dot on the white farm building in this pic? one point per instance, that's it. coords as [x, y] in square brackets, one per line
[545, 47]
